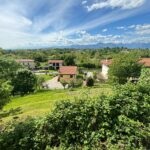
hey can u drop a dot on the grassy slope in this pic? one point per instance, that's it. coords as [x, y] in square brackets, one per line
[40, 103]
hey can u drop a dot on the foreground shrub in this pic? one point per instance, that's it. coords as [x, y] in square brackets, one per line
[120, 121]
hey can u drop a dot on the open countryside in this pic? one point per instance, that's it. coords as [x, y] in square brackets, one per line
[75, 75]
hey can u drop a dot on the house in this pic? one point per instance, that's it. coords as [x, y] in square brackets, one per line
[106, 63]
[29, 63]
[56, 64]
[105, 67]
[67, 73]
[145, 62]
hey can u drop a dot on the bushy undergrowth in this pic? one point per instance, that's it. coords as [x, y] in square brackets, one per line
[120, 121]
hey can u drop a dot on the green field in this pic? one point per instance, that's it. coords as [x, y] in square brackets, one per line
[41, 103]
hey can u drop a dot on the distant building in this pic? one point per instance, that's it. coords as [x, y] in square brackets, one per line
[105, 67]
[28, 63]
[145, 62]
[106, 64]
[56, 64]
[67, 73]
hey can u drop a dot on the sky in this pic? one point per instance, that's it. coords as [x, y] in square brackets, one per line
[56, 23]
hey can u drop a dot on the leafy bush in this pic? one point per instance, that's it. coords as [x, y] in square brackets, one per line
[24, 82]
[90, 81]
[19, 136]
[5, 91]
[119, 121]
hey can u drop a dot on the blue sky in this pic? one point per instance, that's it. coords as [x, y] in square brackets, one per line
[52, 23]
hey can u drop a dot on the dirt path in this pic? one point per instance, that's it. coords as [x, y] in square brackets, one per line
[53, 84]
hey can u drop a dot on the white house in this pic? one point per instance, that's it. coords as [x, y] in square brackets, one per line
[29, 63]
[56, 64]
[105, 67]
[106, 64]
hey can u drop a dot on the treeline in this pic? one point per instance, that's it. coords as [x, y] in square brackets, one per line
[119, 121]
[81, 56]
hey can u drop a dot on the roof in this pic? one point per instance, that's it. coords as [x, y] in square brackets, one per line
[71, 70]
[25, 60]
[145, 62]
[106, 62]
[55, 61]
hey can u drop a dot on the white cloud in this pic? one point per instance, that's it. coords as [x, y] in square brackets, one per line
[121, 28]
[84, 2]
[123, 4]
[143, 29]
[104, 30]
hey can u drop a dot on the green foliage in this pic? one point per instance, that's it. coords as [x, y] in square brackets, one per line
[69, 60]
[8, 68]
[144, 79]
[5, 90]
[40, 57]
[123, 67]
[90, 81]
[24, 82]
[120, 121]
[19, 136]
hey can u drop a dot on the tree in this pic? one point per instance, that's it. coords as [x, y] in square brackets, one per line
[40, 81]
[8, 68]
[24, 82]
[69, 60]
[5, 90]
[123, 67]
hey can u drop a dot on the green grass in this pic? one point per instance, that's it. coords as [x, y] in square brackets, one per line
[41, 103]
[46, 77]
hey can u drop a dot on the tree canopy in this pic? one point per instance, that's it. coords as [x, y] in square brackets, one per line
[123, 67]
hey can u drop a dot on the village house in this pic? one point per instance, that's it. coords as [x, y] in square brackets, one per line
[55, 64]
[28, 63]
[105, 67]
[67, 73]
[106, 64]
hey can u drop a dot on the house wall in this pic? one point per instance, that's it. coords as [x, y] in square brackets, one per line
[30, 65]
[105, 69]
[63, 77]
[56, 65]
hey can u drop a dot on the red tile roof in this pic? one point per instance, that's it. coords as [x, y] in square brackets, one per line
[145, 62]
[71, 70]
[106, 62]
[55, 61]
[25, 60]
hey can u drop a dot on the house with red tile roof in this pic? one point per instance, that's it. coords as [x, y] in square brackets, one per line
[56, 64]
[106, 64]
[29, 63]
[145, 62]
[68, 73]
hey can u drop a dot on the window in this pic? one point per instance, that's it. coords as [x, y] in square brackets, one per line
[71, 76]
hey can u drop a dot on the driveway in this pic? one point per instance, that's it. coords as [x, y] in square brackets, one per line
[53, 84]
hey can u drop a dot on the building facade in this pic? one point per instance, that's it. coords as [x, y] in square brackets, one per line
[55, 64]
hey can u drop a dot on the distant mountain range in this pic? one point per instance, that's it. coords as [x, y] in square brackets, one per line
[111, 45]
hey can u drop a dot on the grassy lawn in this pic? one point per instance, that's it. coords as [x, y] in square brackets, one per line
[46, 77]
[41, 103]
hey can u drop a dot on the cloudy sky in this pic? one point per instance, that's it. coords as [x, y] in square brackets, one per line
[52, 23]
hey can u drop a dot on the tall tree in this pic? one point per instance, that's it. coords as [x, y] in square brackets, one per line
[123, 67]
[8, 67]
[69, 60]
[24, 82]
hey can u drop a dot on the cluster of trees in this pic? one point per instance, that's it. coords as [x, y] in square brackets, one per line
[124, 67]
[119, 121]
[80, 57]
[14, 79]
